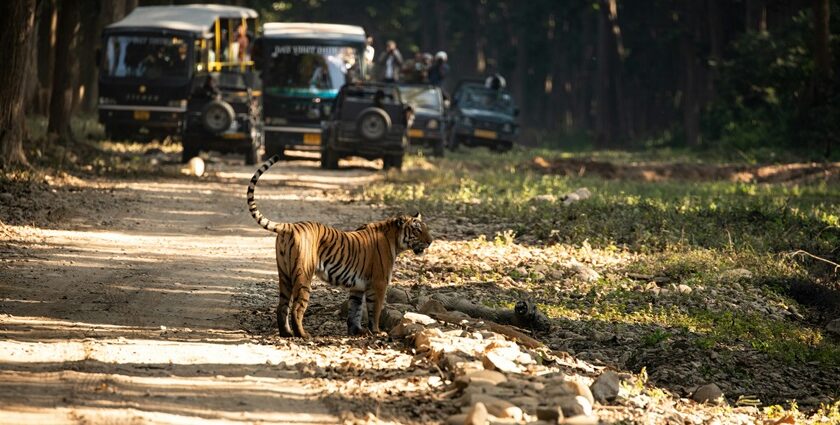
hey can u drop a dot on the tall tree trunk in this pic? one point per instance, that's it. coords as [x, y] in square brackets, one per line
[822, 47]
[608, 120]
[441, 30]
[87, 47]
[61, 101]
[46, 27]
[17, 20]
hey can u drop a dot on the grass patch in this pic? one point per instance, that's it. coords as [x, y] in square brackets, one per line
[692, 234]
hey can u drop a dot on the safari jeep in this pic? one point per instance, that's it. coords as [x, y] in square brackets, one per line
[429, 126]
[177, 71]
[368, 120]
[481, 116]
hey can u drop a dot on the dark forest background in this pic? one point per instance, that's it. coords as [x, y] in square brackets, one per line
[631, 74]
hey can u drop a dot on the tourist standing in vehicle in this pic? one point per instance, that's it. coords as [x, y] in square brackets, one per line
[391, 61]
[439, 69]
[495, 80]
[370, 55]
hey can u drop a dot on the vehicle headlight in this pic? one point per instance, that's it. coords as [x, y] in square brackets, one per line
[468, 121]
[178, 103]
[432, 124]
[106, 101]
[507, 128]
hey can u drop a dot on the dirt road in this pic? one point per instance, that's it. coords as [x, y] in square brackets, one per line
[155, 306]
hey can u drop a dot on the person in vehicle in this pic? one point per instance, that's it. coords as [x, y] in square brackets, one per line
[242, 41]
[370, 52]
[439, 69]
[391, 61]
[495, 81]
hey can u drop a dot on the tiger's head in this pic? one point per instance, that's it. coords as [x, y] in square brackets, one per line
[413, 234]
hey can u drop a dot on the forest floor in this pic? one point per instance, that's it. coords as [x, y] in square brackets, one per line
[148, 296]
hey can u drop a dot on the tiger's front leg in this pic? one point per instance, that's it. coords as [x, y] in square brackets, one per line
[375, 300]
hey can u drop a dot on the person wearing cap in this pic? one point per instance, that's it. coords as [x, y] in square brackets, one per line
[439, 69]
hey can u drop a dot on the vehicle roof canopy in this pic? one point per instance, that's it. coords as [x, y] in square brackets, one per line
[195, 18]
[310, 30]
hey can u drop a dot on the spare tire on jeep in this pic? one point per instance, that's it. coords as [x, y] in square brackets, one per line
[217, 116]
[373, 123]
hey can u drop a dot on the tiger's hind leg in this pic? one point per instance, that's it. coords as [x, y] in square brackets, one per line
[354, 314]
[300, 302]
[283, 309]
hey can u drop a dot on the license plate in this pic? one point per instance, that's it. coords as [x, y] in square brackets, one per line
[311, 139]
[485, 134]
[141, 115]
[415, 132]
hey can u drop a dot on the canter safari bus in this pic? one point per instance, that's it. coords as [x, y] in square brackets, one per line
[302, 67]
[185, 72]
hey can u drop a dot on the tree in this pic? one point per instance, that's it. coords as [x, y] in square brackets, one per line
[17, 20]
[61, 101]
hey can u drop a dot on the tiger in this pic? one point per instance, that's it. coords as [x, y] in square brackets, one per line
[362, 261]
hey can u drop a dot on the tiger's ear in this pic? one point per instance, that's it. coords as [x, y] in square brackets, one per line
[417, 216]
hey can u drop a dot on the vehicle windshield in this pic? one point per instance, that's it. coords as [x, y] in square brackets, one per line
[422, 97]
[488, 99]
[147, 57]
[313, 69]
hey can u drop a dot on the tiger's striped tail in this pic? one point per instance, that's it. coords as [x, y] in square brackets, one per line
[264, 222]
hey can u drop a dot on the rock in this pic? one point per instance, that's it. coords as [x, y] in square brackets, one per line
[495, 359]
[432, 307]
[581, 420]
[605, 388]
[583, 193]
[584, 272]
[459, 419]
[486, 389]
[477, 415]
[571, 198]
[527, 404]
[709, 393]
[390, 318]
[498, 407]
[458, 315]
[397, 295]
[833, 327]
[451, 362]
[196, 167]
[683, 288]
[570, 388]
[489, 377]
[423, 339]
[553, 414]
[405, 329]
[574, 405]
[549, 198]
[419, 318]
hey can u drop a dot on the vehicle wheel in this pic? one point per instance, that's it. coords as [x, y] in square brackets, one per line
[392, 161]
[329, 159]
[189, 151]
[437, 149]
[217, 116]
[373, 123]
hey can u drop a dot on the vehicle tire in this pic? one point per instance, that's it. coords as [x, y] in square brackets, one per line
[392, 161]
[189, 151]
[217, 116]
[373, 124]
[329, 159]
